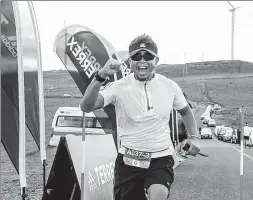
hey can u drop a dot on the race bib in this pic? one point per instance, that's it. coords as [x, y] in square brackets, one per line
[137, 158]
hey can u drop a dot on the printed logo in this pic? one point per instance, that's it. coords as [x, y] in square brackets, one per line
[104, 174]
[3, 19]
[142, 45]
[91, 182]
[9, 41]
[84, 57]
[125, 70]
[11, 44]
[136, 163]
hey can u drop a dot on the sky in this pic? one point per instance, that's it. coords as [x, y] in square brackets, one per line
[185, 31]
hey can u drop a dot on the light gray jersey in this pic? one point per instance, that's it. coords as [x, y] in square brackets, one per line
[143, 111]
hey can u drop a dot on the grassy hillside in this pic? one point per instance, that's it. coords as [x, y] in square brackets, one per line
[228, 83]
[211, 68]
[57, 83]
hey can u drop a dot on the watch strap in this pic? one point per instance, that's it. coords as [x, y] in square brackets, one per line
[99, 78]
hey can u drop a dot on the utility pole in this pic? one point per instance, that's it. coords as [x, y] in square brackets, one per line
[202, 56]
[232, 10]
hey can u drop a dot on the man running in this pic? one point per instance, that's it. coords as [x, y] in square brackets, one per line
[247, 131]
[143, 102]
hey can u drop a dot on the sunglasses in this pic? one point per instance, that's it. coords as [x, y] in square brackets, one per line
[147, 56]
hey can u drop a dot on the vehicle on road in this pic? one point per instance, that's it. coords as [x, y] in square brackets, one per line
[211, 122]
[205, 115]
[69, 120]
[217, 130]
[216, 107]
[228, 135]
[234, 138]
[206, 133]
[205, 120]
[222, 132]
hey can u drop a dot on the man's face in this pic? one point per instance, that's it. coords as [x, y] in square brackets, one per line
[143, 65]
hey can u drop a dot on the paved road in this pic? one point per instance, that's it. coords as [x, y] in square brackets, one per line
[216, 177]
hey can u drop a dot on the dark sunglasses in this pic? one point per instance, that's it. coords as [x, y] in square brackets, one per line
[147, 56]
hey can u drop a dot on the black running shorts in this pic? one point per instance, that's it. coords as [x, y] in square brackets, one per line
[246, 137]
[130, 182]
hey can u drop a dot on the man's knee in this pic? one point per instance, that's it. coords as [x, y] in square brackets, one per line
[158, 192]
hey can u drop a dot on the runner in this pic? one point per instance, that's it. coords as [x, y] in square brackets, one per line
[143, 102]
[246, 132]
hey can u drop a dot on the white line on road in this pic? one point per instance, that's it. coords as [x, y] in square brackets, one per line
[246, 155]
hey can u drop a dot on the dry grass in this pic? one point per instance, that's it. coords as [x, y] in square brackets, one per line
[228, 83]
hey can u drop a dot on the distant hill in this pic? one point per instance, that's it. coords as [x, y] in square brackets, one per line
[209, 68]
[228, 83]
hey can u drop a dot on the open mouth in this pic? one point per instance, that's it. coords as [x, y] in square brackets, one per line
[142, 70]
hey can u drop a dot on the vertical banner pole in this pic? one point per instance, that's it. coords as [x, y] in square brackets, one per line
[83, 160]
[65, 58]
[241, 157]
[1, 113]
[21, 89]
[41, 95]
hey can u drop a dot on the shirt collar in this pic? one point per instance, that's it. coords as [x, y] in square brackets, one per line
[143, 82]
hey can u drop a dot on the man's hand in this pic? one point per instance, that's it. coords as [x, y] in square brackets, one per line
[191, 146]
[111, 66]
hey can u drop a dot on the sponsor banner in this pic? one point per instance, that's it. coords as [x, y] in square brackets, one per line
[83, 53]
[9, 74]
[99, 173]
[81, 48]
[30, 68]
[9, 129]
[9, 83]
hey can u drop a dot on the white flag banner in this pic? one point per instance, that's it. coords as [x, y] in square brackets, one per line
[31, 104]
[22, 173]
[40, 84]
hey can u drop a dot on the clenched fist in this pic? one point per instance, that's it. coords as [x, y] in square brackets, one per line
[193, 146]
[111, 66]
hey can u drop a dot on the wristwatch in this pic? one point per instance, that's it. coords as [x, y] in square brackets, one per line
[99, 78]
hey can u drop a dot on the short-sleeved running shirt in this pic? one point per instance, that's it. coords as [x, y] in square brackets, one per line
[247, 131]
[143, 111]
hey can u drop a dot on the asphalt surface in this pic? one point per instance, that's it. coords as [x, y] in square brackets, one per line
[216, 177]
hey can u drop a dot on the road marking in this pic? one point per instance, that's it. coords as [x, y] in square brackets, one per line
[246, 155]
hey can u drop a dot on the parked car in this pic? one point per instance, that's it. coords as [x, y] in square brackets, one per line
[69, 120]
[228, 135]
[222, 132]
[206, 133]
[216, 107]
[234, 138]
[211, 122]
[205, 120]
[217, 130]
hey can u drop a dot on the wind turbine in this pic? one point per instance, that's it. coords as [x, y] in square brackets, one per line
[232, 10]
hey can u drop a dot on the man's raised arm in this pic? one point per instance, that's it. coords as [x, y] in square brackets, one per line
[92, 100]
